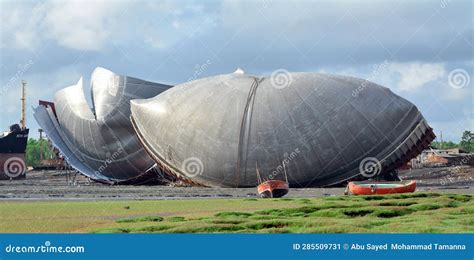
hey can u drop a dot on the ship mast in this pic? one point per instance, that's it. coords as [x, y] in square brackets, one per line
[259, 179]
[23, 94]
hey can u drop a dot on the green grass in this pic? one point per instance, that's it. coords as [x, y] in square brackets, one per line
[233, 214]
[401, 213]
[140, 219]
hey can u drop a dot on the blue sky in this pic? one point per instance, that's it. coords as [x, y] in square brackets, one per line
[423, 51]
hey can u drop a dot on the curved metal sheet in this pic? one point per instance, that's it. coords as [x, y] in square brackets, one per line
[216, 131]
[100, 143]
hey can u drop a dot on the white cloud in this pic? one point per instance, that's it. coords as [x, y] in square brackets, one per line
[20, 25]
[414, 75]
[79, 25]
[324, 33]
[74, 25]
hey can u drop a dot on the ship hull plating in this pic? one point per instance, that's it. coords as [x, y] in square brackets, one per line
[100, 142]
[214, 131]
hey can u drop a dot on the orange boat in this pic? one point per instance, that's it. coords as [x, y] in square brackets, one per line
[272, 188]
[370, 188]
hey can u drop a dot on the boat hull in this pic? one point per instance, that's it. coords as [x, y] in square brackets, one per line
[100, 142]
[358, 188]
[324, 132]
[14, 142]
[273, 189]
[12, 153]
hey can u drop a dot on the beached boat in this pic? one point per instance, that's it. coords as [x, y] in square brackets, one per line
[13, 146]
[370, 188]
[272, 188]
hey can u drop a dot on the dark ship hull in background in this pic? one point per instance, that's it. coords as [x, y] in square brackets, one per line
[12, 153]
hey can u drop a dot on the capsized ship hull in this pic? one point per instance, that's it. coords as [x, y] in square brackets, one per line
[213, 131]
[100, 142]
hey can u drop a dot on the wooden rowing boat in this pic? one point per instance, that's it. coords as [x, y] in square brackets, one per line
[370, 188]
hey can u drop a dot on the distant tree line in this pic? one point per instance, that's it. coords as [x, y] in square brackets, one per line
[37, 149]
[466, 144]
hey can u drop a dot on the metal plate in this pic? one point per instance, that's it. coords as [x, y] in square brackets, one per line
[318, 128]
[100, 142]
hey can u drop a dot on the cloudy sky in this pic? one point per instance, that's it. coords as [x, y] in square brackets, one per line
[422, 51]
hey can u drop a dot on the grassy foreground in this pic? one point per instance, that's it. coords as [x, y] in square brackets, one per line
[403, 213]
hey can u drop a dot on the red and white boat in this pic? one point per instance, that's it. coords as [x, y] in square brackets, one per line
[272, 188]
[371, 188]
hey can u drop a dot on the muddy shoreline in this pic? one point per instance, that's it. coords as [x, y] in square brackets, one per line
[54, 185]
